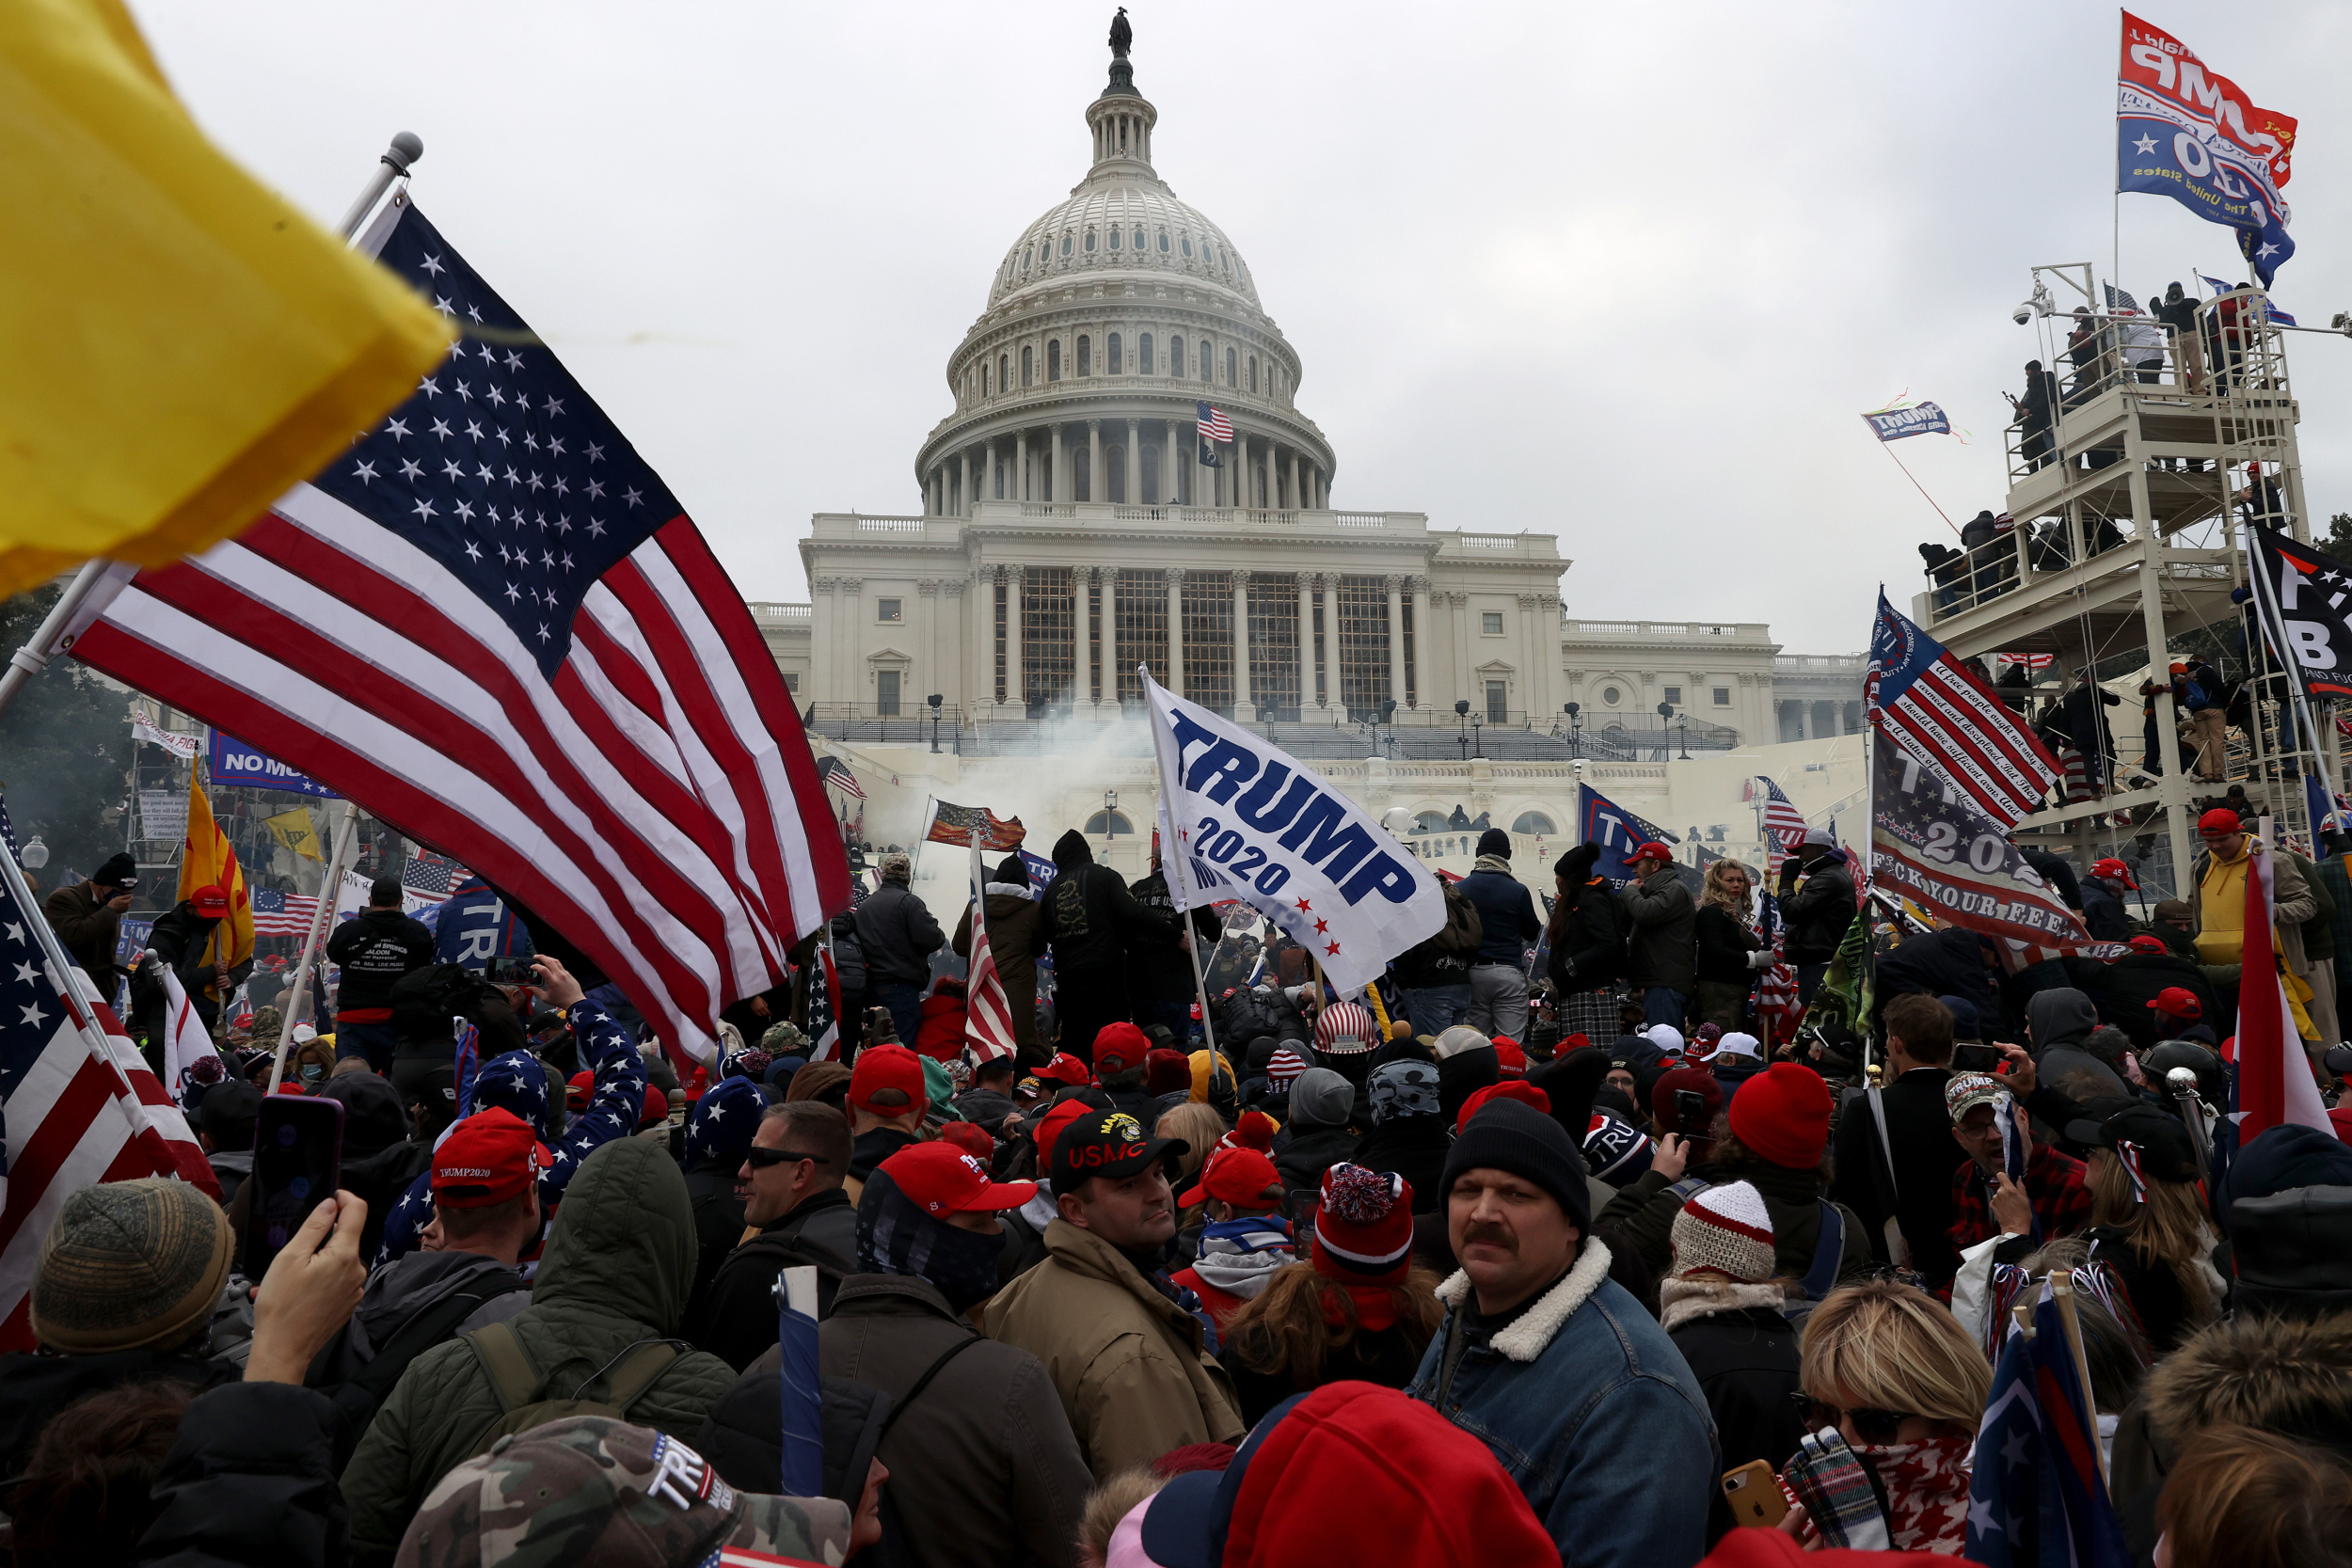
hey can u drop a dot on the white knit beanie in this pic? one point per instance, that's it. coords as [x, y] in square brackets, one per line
[1725, 1231]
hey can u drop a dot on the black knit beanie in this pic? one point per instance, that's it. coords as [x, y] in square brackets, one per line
[1510, 1134]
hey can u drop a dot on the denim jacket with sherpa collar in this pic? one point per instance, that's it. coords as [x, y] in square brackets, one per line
[1592, 1412]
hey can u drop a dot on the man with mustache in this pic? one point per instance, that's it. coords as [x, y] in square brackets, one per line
[1555, 1368]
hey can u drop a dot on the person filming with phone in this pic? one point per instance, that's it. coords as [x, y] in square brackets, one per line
[375, 947]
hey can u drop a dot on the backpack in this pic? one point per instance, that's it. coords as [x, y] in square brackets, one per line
[358, 1398]
[1243, 1017]
[425, 1000]
[1463, 930]
[517, 1383]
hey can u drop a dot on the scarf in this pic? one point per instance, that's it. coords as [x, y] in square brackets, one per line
[1241, 1257]
[1926, 1494]
[895, 1236]
[1685, 1300]
[1493, 863]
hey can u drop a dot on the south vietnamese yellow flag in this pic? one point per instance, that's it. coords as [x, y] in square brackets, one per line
[210, 861]
[182, 345]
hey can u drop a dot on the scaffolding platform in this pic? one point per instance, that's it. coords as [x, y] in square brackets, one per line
[2122, 550]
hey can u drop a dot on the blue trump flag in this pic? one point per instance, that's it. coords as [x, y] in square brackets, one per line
[1919, 418]
[473, 927]
[2191, 134]
[233, 761]
[1615, 831]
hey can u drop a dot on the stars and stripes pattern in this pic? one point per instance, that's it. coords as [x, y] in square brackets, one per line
[430, 877]
[1944, 714]
[987, 1011]
[824, 1006]
[492, 626]
[1783, 826]
[1776, 987]
[954, 824]
[1213, 425]
[2036, 1496]
[283, 914]
[78, 1103]
[838, 774]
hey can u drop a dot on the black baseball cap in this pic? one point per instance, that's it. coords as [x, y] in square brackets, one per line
[1107, 1143]
[2166, 1152]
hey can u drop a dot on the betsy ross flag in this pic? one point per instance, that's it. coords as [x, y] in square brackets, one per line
[78, 1103]
[2036, 1496]
[492, 625]
[283, 914]
[1943, 713]
[987, 1011]
[954, 824]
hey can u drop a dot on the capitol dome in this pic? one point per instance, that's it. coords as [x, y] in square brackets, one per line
[1114, 315]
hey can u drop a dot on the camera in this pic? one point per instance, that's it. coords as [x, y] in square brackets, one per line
[2023, 314]
[1690, 1114]
[510, 972]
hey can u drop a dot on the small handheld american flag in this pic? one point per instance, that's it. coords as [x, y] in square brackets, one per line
[987, 1010]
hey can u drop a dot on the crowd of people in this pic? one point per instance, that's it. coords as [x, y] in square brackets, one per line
[1518, 1257]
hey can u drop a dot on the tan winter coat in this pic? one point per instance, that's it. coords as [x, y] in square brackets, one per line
[1127, 1362]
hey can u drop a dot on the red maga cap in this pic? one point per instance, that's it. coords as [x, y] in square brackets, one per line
[491, 1157]
[941, 1178]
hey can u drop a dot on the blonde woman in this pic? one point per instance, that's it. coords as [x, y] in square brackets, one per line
[1197, 1123]
[2147, 1224]
[1889, 1367]
[1729, 948]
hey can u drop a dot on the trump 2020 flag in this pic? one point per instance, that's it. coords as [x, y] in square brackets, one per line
[1917, 419]
[1616, 833]
[2191, 134]
[1251, 823]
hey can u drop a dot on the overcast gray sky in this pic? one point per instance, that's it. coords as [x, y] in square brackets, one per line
[1625, 275]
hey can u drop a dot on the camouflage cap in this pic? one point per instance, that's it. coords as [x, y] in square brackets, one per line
[591, 1492]
[783, 1039]
[269, 1022]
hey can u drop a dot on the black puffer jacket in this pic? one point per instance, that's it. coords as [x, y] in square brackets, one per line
[1745, 1361]
[2133, 980]
[1091, 920]
[1588, 945]
[1816, 915]
[897, 929]
[250, 1482]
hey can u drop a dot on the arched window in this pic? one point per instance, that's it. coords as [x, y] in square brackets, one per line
[1208, 363]
[1187, 243]
[1430, 822]
[1113, 364]
[984, 381]
[1053, 360]
[1143, 353]
[1109, 822]
[1003, 372]
[1026, 378]
[1089, 240]
[1025, 260]
[1138, 236]
[1176, 355]
[1086, 355]
[1533, 822]
[1228, 369]
[1115, 233]
[1065, 245]
[1253, 373]
[1163, 241]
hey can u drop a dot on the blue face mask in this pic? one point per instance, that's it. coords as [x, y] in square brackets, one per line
[313, 1072]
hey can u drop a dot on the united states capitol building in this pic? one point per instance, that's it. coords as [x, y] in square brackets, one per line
[1073, 525]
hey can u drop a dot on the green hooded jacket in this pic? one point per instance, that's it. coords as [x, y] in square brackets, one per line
[617, 1270]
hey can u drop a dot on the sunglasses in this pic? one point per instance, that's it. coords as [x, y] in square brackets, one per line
[1876, 1428]
[759, 1156]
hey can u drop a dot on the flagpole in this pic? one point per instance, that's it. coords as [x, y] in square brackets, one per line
[1183, 879]
[405, 150]
[2062, 1291]
[62, 968]
[329, 885]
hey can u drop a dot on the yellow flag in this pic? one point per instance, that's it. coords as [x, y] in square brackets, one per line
[210, 861]
[292, 828]
[182, 345]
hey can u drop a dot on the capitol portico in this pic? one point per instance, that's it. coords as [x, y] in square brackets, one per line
[1073, 523]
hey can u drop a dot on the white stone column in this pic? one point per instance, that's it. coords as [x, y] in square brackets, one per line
[1465, 675]
[821, 631]
[1174, 677]
[1331, 696]
[929, 661]
[849, 674]
[1135, 462]
[1298, 498]
[1397, 623]
[1106, 654]
[1058, 477]
[954, 690]
[1021, 465]
[982, 684]
[1242, 498]
[1307, 582]
[1245, 708]
[1422, 631]
[988, 470]
[1096, 489]
[963, 484]
[1015, 686]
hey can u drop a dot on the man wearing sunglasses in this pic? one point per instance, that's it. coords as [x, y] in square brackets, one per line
[792, 1199]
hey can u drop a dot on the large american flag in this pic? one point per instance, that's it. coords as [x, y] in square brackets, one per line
[493, 626]
[1215, 426]
[1944, 714]
[283, 914]
[73, 1115]
[987, 1011]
